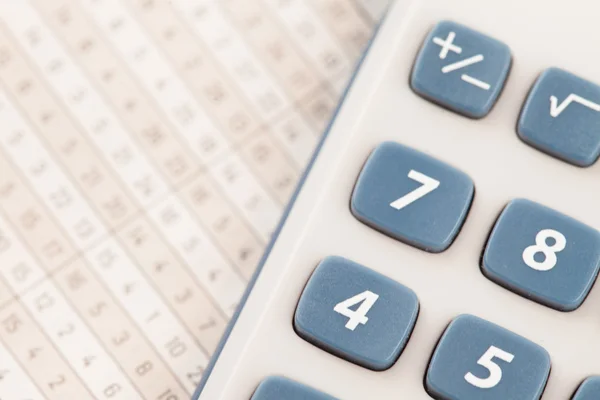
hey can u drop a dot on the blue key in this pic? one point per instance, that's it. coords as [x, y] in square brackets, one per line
[279, 388]
[412, 197]
[542, 255]
[356, 313]
[461, 69]
[561, 117]
[478, 360]
[589, 389]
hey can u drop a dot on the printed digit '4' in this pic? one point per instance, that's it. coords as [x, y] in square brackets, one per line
[366, 300]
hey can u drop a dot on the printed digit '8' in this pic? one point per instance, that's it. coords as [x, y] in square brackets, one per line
[548, 251]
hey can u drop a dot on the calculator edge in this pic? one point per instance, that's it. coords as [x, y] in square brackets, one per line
[232, 322]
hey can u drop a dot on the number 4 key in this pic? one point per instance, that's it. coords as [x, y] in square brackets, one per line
[356, 313]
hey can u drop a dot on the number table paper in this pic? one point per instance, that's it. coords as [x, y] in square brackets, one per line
[147, 151]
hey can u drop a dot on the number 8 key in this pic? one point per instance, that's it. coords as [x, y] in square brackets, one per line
[542, 255]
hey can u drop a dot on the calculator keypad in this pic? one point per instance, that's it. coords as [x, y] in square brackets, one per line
[461, 69]
[412, 197]
[366, 318]
[589, 389]
[356, 313]
[561, 117]
[477, 360]
[279, 388]
[543, 255]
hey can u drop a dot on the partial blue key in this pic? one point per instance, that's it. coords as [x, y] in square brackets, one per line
[280, 388]
[542, 255]
[589, 389]
[412, 197]
[461, 69]
[356, 313]
[478, 360]
[561, 117]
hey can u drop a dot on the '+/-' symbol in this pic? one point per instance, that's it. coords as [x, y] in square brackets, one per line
[447, 45]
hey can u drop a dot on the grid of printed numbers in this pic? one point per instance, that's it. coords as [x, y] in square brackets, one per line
[147, 151]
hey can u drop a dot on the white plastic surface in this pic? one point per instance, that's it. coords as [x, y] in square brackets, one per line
[381, 106]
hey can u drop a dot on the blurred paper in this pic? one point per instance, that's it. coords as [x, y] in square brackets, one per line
[147, 150]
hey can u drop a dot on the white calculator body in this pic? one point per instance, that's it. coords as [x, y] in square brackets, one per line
[444, 243]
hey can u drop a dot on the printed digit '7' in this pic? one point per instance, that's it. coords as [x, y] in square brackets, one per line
[428, 185]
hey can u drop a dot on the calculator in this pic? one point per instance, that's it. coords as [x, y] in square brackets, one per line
[443, 243]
